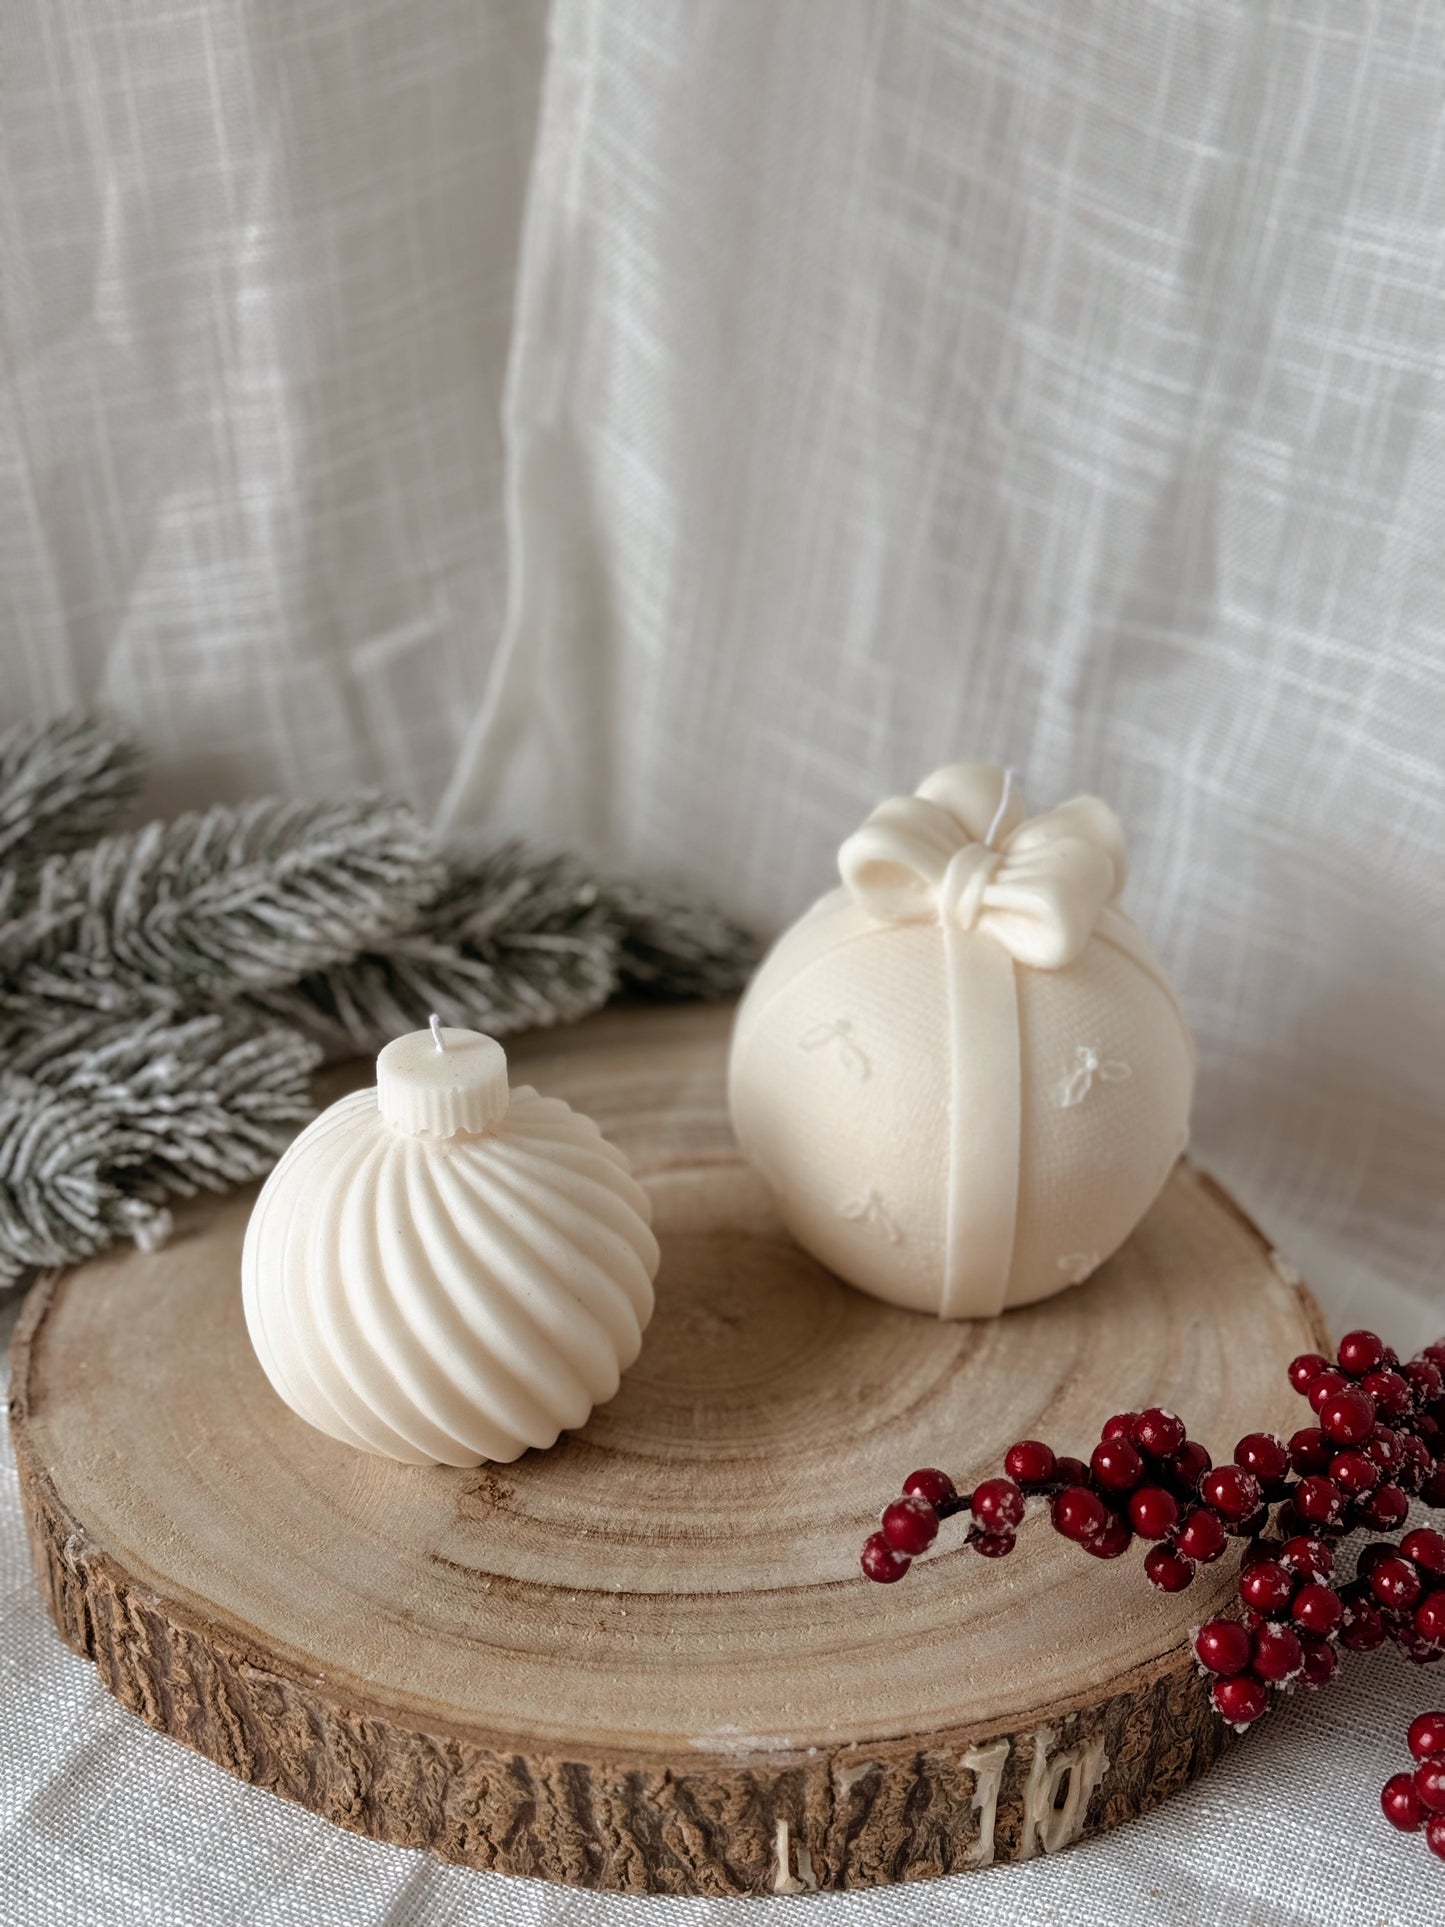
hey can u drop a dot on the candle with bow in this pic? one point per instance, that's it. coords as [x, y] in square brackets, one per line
[964, 1074]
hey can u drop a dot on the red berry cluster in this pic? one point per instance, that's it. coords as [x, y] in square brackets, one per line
[1379, 1439]
[1415, 1800]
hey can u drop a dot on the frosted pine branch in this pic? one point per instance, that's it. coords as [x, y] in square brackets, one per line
[102, 1122]
[165, 993]
[193, 913]
[61, 785]
[676, 946]
[516, 942]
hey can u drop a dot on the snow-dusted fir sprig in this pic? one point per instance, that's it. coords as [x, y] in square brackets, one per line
[165, 992]
[104, 1120]
[62, 784]
[675, 946]
[515, 942]
[190, 914]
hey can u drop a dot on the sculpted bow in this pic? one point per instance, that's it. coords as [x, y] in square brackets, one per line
[960, 851]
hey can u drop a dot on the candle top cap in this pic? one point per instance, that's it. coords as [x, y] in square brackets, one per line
[442, 1081]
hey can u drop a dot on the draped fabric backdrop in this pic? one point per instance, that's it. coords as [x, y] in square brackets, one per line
[666, 430]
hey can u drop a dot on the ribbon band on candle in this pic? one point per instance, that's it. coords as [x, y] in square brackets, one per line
[1009, 893]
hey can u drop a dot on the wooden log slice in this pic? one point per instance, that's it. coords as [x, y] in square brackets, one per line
[646, 1660]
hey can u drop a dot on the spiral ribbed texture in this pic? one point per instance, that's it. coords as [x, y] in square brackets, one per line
[449, 1300]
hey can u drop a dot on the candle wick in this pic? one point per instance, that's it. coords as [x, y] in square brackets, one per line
[435, 1024]
[1009, 777]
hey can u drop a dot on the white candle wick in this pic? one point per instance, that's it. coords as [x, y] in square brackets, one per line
[435, 1024]
[1009, 778]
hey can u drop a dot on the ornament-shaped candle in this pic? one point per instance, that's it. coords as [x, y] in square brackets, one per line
[964, 1073]
[442, 1270]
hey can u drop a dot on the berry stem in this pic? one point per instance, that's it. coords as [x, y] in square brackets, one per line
[1379, 1440]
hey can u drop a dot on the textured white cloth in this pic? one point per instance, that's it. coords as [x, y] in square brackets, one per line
[884, 385]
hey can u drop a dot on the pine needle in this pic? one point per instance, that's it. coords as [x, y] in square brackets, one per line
[61, 786]
[193, 913]
[103, 1121]
[516, 942]
[166, 992]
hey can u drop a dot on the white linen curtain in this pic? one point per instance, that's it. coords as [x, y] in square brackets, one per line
[669, 428]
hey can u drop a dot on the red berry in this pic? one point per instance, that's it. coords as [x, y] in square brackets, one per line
[1317, 1609]
[1319, 1501]
[1277, 1654]
[1240, 1700]
[1385, 1448]
[1426, 1737]
[1424, 1378]
[1362, 1628]
[1190, 1463]
[1070, 1471]
[1391, 1393]
[909, 1525]
[1435, 1353]
[993, 1545]
[1416, 1464]
[1120, 1426]
[1153, 1512]
[1222, 1646]
[1031, 1462]
[1430, 1785]
[1370, 1556]
[1426, 1548]
[881, 1562]
[1311, 1558]
[1268, 1587]
[1310, 1451]
[1159, 1433]
[1401, 1803]
[1324, 1388]
[1429, 1621]
[1201, 1537]
[1167, 1569]
[1233, 1492]
[1360, 1352]
[1289, 1525]
[1349, 1417]
[1116, 1538]
[931, 1484]
[1435, 1835]
[1079, 1514]
[1305, 1369]
[1265, 1455]
[997, 1505]
[1116, 1465]
[1384, 1508]
[1354, 1473]
[1419, 1652]
[1396, 1584]
[1321, 1661]
[1433, 1490]
[1256, 1551]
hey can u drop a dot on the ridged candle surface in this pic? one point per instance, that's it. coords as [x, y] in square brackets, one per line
[446, 1295]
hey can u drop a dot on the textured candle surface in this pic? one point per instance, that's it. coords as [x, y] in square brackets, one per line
[964, 1074]
[443, 1294]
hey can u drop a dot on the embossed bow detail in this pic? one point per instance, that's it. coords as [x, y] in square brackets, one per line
[961, 850]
